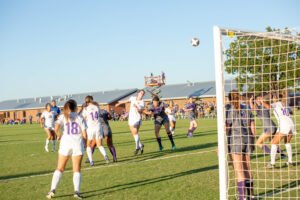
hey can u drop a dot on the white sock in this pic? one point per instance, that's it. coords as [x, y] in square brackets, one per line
[53, 144]
[55, 179]
[77, 181]
[288, 147]
[273, 153]
[102, 151]
[47, 143]
[89, 153]
[137, 141]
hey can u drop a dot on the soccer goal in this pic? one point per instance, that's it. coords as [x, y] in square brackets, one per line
[258, 74]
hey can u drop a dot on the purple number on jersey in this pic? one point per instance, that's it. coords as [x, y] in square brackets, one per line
[72, 128]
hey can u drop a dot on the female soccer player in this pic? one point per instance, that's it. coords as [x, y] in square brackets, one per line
[286, 130]
[171, 115]
[107, 132]
[71, 145]
[157, 108]
[241, 127]
[190, 108]
[262, 109]
[135, 118]
[47, 122]
[91, 113]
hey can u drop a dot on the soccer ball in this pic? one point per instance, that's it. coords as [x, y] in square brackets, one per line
[195, 42]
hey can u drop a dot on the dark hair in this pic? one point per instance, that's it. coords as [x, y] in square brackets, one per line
[90, 99]
[53, 101]
[70, 105]
[234, 98]
[155, 98]
[141, 90]
[47, 104]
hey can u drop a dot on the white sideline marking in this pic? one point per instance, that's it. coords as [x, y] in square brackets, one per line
[110, 165]
[23, 142]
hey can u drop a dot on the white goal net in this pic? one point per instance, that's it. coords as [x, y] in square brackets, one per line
[258, 104]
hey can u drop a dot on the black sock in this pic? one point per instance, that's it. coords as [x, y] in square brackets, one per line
[159, 141]
[171, 138]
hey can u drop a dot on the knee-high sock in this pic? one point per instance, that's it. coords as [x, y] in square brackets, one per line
[193, 129]
[289, 152]
[47, 143]
[89, 153]
[113, 152]
[266, 149]
[55, 179]
[249, 186]
[77, 181]
[137, 140]
[159, 141]
[171, 138]
[102, 151]
[241, 189]
[273, 153]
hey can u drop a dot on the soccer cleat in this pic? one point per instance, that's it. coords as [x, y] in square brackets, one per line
[189, 135]
[50, 194]
[270, 166]
[173, 147]
[161, 148]
[136, 152]
[142, 149]
[46, 149]
[288, 164]
[283, 156]
[77, 195]
[106, 159]
[92, 163]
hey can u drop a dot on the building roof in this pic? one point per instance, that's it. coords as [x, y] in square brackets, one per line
[183, 91]
[173, 91]
[104, 97]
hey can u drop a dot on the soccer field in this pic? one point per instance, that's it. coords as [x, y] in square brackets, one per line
[190, 172]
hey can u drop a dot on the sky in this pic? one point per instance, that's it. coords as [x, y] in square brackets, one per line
[54, 47]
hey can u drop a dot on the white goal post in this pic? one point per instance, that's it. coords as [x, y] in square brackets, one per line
[264, 69]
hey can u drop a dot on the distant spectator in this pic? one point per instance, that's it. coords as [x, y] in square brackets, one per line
[54, 108]
[30, 119]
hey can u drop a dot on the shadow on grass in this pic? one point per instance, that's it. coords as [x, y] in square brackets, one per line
[126, 186]
[282, 189]
[25, 175]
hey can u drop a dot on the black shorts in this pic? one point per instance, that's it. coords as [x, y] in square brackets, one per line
[106, 131]
[161, 120]
[240, 144]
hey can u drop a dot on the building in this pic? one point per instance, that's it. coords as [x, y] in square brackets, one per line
[178, 93]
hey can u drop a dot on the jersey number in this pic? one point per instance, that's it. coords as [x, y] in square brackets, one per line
[72, 128]
[285, 111]
[95, 116]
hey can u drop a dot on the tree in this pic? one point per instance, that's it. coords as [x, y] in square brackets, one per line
[260, 63]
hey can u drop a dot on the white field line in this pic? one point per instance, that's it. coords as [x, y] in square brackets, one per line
[111, 165]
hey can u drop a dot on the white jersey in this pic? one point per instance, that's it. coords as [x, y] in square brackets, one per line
[71, 140]
[91, 115]
[49, 119]
[171, 114]
[134, 112]
[71, 129]
[282, 114]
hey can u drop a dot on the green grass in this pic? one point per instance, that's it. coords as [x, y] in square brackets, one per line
[190, 172]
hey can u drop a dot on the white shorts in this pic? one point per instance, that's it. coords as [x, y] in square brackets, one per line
[287, 127]
[71, 149]
[134, 123]
[172, 118]
[93, 133]
[50, 128]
